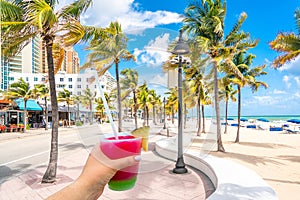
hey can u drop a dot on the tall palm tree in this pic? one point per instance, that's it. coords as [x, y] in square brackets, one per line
[42, 91]
[195, 73]
[172, 102]
[129, 83]
[100, 106]
[65, 96]
[107, 52]
[204, 21]
[287, 43]
[243, 62]
[77, 101]
[17, 90]
[21, 20]
[87, 99]
[227, 92]
[144, 101]
[154, 99]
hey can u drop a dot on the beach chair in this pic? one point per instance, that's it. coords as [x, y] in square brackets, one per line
[292, 131]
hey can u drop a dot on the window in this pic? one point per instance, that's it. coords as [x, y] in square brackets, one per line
[70, 79]
[35, 79]
[78, 93]
[79, 79]
[95, 86]
[43, 79]
[87, 86]
[70, 86]
[12, 78]
[26, 78]
[61, 79]
[78, 86]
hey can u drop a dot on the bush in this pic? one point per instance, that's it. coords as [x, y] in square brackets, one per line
[27, 126]
[78, 123]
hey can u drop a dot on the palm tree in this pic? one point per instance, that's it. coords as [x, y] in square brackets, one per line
[144, 101]
[288, 44]
[100, 106]
[42, 91]
[227, 92]
[65, 96]
[205, 22]
[87, 99]
[243, 63]
[77, 101]
[195, 73]
[107, 52]
[21, 20]
[154, 99]
[20, 89]
[129, 83]
[172, 102]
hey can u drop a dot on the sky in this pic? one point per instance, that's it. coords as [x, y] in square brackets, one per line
[152, 24]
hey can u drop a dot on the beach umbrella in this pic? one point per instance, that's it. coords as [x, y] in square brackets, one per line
[230, 118]
[244, 119]
[297, 121]
[263, 120]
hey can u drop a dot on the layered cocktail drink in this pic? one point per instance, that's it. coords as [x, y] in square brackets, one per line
[125, 145]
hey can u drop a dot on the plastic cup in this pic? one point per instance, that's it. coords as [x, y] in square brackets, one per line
[125, 146]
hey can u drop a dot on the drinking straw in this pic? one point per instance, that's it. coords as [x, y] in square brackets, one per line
[106, 107]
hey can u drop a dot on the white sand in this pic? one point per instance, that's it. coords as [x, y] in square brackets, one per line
[273, 155]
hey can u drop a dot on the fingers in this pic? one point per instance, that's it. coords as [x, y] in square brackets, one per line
[114, 164]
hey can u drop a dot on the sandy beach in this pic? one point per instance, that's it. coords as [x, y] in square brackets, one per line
[274, 156]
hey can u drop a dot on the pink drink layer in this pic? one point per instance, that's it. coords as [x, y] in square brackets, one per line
[125, 146]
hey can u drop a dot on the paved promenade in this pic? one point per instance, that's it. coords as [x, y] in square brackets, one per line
[154, 181]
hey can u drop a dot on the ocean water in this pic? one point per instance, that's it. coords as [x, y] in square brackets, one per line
[271, 118]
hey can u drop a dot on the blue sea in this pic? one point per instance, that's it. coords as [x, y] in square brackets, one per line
[270, 117]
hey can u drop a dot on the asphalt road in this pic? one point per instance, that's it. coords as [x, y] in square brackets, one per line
[20, 155]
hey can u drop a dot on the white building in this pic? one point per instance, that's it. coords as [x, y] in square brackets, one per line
[75, 83]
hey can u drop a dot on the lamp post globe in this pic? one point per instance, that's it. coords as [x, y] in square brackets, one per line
[180, 49]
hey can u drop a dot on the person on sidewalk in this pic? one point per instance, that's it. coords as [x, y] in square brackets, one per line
[96, 173]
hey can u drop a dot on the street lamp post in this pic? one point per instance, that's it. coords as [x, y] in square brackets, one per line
[180, 49]
[164, 101]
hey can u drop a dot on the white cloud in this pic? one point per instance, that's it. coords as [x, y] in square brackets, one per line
[276, 91]
[155, 53]
[286, 80]
[292, 67]
[297, 79]
[127, 12]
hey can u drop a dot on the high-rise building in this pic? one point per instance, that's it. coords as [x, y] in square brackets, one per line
[33, 59]
[27, 61]
[71, 61]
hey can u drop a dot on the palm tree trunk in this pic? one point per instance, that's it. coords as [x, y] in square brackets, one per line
[119, 97]
[203, 118]
[69, 120]
[25, 115]
[153, 110]
[226, 116]
[199, 116]
[50, 173]
[217, 107]
[135, 109]
[147, 114]
[46, 113]
[237, 139]
[91, 112]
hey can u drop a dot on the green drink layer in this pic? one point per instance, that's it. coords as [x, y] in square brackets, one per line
[122, 184]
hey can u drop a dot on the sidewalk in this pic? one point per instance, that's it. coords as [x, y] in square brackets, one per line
[154, 180]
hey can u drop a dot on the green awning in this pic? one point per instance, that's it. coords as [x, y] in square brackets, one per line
[30, 105]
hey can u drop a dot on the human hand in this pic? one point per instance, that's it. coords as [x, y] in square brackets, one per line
[99, 169]
[97, 172]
